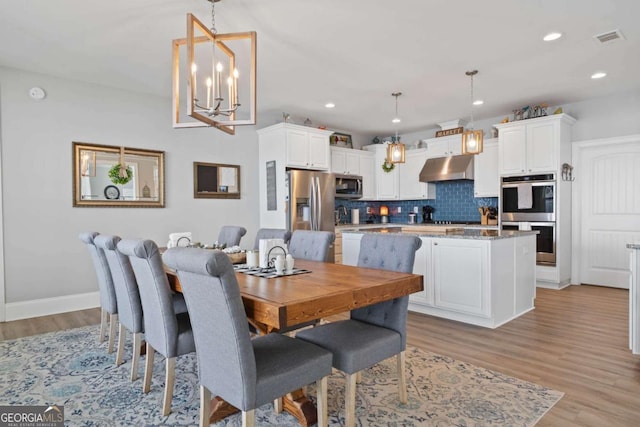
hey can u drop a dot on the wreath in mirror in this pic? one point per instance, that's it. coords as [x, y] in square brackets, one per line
[116, 178]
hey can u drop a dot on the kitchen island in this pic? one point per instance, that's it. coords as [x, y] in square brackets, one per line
[484, 277]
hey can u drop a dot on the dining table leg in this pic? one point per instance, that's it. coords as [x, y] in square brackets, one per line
[296, 403]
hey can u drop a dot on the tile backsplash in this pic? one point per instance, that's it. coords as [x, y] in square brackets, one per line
[454, 202]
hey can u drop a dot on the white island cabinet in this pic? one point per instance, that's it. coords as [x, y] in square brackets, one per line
[481, 277]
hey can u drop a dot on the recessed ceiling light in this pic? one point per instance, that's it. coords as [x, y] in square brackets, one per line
[598, 75]
[329, 105]
[552, 36]
[478, 102]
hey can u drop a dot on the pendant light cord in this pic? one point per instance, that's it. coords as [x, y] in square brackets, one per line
[471, 74]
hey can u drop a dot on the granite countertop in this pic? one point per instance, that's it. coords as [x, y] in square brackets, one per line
[454, 232]
[633, 245]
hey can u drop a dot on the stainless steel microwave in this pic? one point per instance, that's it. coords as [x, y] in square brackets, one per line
[348, 186]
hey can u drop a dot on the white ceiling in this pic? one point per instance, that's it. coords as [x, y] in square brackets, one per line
[354, 53]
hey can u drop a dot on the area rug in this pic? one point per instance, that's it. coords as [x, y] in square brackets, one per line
[70, 368]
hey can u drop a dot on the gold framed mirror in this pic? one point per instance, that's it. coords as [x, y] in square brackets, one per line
[216, 181]
[98, 181]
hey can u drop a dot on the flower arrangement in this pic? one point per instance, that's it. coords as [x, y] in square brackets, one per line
[114, 174]
[387, 167]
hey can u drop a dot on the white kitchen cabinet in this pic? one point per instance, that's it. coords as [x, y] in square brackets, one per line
[410, 187]
[486, 176]
[481, 281]
[444, 146]
[367, 172]
[350, 248]
[465, 289]
[386, 182]
[422, 265]
[345, 161]
[534, 146]
[402, 183]
[303, 147]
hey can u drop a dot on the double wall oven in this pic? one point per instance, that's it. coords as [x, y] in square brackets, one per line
[529, 203]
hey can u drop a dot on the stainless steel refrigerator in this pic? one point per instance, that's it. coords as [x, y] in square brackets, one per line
[311, 202]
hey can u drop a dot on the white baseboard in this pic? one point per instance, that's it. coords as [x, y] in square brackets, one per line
[552, 285]
[47, 306]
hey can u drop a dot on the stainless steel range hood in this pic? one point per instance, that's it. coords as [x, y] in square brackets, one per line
[447, 168]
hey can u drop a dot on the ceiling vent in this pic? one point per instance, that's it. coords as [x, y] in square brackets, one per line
[609, 37]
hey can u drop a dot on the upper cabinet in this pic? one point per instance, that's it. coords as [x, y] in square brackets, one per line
[304, 147]
[345, 161]
[486, 177]
[402, 183]
[410, 185]
[444, 146]
[537, 145]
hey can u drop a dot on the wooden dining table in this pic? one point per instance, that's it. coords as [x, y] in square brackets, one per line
[274, 304]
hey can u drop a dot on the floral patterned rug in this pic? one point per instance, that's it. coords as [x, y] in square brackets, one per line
[70, 368]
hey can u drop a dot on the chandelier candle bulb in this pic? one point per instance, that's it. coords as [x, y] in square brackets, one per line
[235, 87]
[194, 69]
[219, 72]
[209, 83]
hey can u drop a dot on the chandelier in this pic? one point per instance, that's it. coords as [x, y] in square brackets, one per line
[395, 150]
[220, 72]
[471, 139]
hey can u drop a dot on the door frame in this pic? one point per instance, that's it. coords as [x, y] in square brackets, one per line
[576, 195]
[2, 269]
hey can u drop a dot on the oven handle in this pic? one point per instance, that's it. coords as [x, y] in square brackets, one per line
[533, 184]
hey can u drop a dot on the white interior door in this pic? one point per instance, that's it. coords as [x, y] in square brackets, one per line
[608, 209]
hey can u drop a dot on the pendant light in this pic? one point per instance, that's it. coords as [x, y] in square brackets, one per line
[220, 75]
[395, 150]
[471, 139]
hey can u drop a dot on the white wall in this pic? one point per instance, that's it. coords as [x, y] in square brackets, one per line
[614, 115]
[43, 257]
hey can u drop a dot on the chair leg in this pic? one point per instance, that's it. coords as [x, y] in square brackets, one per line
[137, 339]
[205, 406]
[148, 369]
[170, 376]
[113, 321]
[122, 333]
[277, 405]
[350, 401]
[321, 396]
[103, 325]
[248, 418]
[402, 378]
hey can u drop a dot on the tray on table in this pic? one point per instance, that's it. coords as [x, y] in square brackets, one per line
[268, 273]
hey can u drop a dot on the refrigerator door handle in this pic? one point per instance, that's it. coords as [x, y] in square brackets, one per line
[318, 203]
[312, 204]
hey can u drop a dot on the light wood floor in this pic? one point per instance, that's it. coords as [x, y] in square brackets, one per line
[575, 341]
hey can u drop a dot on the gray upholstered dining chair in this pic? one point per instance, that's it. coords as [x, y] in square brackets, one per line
[167, 332]
[311, 245]
[230, 235]
[376, 332]
[271, 233]
[127, 297]
[245, 372]
[108, 302]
